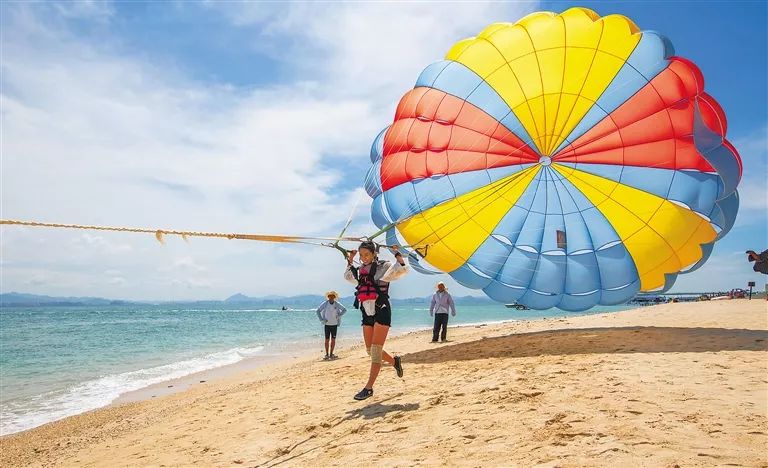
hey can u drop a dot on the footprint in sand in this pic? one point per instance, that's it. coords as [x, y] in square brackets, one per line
[489, 389]
[555, 419]
[436, 400]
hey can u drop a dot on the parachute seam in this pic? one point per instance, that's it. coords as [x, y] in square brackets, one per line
[535, 267]
[586, 78]
[674, 252]
[527, 99]
[565, 231]
[410, 128]
[621, 175]
[562, 81]
[464, 100]
[410, 212]
[591, 239]
[490, 232]
[400, 132]
[541, 239]
[626, 63]
[561, 158]
[513, 180]
[426, 156]
[625, 169]
[608, 114]
[524, 144]
[482, 195]
[498, 273]
[542, 148]
[526, 230]
[495, 140]
[634, 168]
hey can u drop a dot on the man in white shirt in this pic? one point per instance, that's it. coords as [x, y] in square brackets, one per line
[329, 313]
[442, 304]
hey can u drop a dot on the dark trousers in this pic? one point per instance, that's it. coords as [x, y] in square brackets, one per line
[441, 326]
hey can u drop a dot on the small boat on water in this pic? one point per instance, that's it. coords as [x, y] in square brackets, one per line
[516, 306]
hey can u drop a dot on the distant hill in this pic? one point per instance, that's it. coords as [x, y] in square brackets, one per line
[238, 298]
[15, 299]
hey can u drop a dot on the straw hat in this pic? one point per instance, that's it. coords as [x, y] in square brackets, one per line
[331, 293]
[439, 283]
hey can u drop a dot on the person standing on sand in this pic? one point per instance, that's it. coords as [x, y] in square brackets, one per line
[372, 280]
[329, 313]
[442, 304]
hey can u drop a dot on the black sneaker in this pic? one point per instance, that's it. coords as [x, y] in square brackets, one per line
[398, 367]
[364, 393]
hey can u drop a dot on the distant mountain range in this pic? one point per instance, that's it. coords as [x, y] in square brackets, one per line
[14, 299]
[21, 299]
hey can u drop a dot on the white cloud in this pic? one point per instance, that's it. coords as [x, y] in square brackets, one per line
[37, 280]
[373, 50]
[754, 154]
[187, 264]
[98, 10]
[753, 194]
[117, 281]
[100, 244]
[192, 283]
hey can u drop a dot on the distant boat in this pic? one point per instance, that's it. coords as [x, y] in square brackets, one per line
[516, 306]
[284, 308]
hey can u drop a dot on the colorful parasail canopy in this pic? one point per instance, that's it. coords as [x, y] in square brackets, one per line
[562, 161]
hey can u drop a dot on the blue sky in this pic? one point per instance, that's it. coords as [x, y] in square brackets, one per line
[258, 117]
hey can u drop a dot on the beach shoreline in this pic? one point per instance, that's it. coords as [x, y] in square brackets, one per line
[99, 388]
[301, 353]
[581, 390]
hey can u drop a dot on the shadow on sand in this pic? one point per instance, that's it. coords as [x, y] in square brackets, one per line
[379, 409]
[620, 340]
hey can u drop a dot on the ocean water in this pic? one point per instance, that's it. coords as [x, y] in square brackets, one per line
[60, 361]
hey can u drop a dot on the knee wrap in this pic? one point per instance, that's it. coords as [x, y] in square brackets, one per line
[376, 352]
[368, 350]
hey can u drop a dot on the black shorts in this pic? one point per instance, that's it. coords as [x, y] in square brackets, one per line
[330, 331]
[383, 315]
